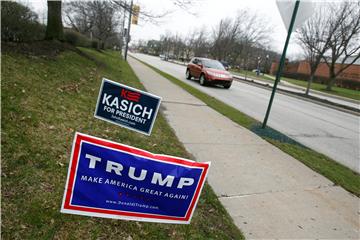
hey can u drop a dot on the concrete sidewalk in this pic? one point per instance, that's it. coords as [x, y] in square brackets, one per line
[268, 193]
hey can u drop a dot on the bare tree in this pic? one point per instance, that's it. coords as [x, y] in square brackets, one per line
[93, 18]
[344, 43]
[78, 15]
[188, 50]
[223, 38]
[314, 38]
[200, 43]
[165, 43]
[254, 34]
[105, 20]
[254, 29]
[178, 46]
[234, 38]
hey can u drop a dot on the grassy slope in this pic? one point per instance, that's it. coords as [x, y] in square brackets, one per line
[343, 92]
[43, 103]
[322, 164]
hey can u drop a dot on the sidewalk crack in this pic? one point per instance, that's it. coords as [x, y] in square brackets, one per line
[278, 191]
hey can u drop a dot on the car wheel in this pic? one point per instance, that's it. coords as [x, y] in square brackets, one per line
[203, 81]
[227, 85]
[188, 74]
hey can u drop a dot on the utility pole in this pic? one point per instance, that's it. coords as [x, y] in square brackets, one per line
[282, 61]
[258, 66]
[266, 64]
[128, 31]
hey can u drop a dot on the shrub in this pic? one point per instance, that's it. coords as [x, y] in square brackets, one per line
[102, 45]
[76, 38]
[94, 44]
[19, 23]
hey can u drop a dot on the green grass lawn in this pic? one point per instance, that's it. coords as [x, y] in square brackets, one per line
[338, 91]
[320, 163]
[44, 101]
[250, 74]
[343, 92]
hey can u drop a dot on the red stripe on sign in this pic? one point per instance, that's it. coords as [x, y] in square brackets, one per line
[132, 96]
[123, 213]
[134, 99]
[197, 192]
[73, 166]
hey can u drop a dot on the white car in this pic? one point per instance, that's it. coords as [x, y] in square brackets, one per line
[163, 57]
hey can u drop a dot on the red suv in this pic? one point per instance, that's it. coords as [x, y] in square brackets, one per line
[209, 72]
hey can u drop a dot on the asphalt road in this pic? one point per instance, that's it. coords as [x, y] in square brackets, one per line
[320, 95]
[326, 130]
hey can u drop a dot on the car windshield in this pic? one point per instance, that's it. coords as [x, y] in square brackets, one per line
[213, 64]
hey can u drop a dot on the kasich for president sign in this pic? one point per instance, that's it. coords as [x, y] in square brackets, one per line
[127, 107]
[112, 180]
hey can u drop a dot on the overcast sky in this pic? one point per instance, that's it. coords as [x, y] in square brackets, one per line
[208, 14]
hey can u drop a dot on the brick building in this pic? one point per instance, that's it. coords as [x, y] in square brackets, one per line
[349, 78]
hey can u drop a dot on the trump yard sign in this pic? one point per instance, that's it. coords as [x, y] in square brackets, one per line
[112, 180]
[127, 107]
